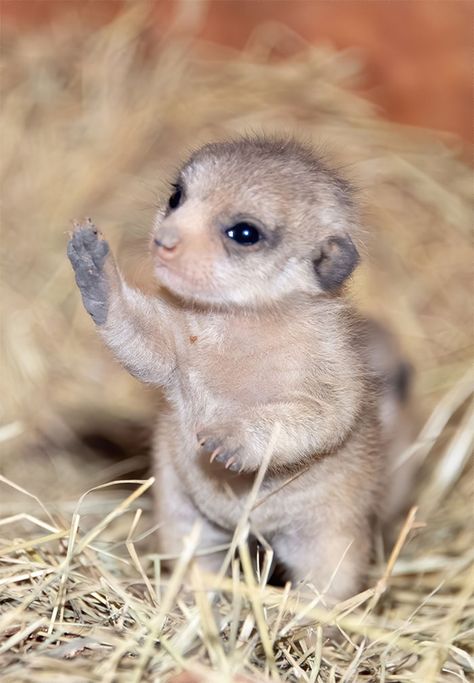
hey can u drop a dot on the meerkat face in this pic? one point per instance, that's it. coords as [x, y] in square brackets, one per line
[251, 221]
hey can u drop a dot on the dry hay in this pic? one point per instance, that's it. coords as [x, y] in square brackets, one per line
[91, 124]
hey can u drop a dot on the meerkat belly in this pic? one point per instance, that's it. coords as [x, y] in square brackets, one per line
[222, 376]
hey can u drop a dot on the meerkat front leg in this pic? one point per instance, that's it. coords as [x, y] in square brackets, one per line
[135, 327]
[305, 428]
[331, 557]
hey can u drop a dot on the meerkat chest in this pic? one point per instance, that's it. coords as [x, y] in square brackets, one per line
[239, 361]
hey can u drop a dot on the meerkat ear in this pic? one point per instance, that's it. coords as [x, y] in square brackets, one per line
[336, 260]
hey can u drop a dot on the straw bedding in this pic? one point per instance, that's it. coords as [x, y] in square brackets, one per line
[92, 124]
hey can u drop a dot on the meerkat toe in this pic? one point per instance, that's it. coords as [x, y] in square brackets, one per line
[86, 245]
[99, 253]
[214, 455]
[72, 253]
[89, 235]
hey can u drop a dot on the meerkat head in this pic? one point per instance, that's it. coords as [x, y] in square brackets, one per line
[251, 221]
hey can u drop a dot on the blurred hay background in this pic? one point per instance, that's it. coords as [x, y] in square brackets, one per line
[93, 124]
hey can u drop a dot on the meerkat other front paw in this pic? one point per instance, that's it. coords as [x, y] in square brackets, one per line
[224, 445]
[87, 252]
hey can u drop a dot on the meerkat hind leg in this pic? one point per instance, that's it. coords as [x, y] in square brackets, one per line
[334, 563]
[177, 516]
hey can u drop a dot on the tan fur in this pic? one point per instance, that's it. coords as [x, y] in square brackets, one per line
[247, 336]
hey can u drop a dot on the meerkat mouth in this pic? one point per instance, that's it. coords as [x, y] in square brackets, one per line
[182, 284]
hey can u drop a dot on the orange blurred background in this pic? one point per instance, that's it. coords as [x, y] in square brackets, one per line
[418, 54]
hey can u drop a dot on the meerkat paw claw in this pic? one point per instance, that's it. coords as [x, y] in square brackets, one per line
[223, 447]
[230, 462]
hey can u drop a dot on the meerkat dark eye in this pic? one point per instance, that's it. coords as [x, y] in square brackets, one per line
[175, 199]
[244, 233]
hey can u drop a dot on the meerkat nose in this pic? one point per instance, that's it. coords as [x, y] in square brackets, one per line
[165, 250]
[168, 244]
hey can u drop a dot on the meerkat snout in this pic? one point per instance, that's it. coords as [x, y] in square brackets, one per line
[166, 239]
[165, 250]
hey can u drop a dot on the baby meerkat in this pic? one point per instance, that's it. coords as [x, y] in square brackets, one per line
[253, 249]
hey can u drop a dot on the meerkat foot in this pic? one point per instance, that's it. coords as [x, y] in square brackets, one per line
[87, 252]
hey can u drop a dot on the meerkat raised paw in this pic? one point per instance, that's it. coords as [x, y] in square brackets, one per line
[87, 252]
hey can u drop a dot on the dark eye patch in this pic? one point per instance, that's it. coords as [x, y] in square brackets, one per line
[244, 234]
[176, 197]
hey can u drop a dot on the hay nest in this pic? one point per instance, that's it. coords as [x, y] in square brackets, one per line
[91, 125]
